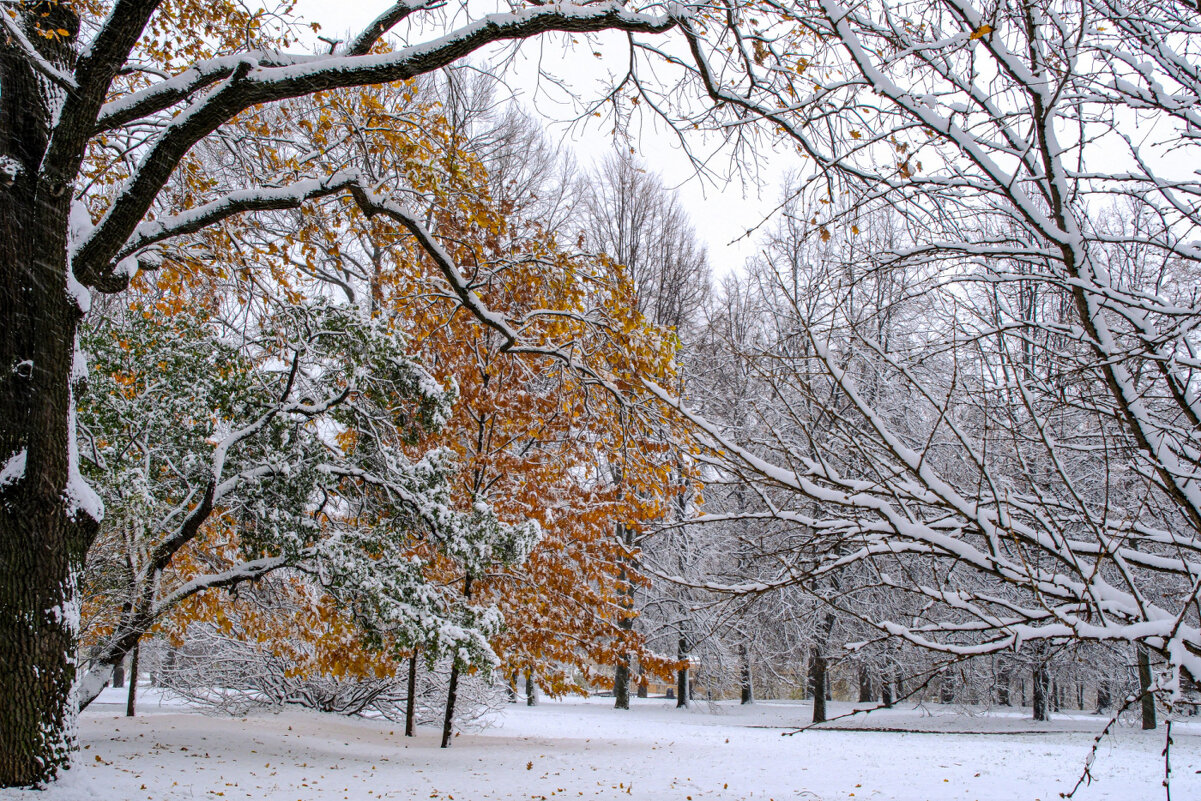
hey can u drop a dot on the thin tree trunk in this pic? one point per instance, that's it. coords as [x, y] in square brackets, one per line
[682, 691]
[131, 702]
[119, 676]
[531, 689]
[1004, 678]
[1144, 685]
[451, 697]
[411, 698]
[748, 689]
[886, 693]
[452, 692]
[625, 599]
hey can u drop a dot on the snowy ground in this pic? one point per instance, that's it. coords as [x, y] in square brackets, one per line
[587, 750]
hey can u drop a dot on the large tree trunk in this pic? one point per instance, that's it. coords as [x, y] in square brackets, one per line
[47, 520]
[1039, 692]
[1003, 680]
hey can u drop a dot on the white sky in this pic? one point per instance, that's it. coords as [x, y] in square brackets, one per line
[721, 214]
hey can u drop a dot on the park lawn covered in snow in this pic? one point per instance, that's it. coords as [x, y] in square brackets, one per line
[585, 749]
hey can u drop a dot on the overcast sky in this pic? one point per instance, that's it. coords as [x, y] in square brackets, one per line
[721, 214]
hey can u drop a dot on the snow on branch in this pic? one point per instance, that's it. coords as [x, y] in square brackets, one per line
[249, 82]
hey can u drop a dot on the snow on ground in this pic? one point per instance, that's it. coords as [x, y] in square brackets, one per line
[587, 750]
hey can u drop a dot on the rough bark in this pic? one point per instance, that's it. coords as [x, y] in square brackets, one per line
[43, 536]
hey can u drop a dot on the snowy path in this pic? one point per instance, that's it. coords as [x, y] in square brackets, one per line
[582, 750]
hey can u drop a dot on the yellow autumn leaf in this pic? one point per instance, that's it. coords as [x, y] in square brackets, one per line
[981, 32]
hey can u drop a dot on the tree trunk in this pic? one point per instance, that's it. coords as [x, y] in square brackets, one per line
[866, 693]
[452, 693]
[886, 693]
[1103, 696]
[625, 598]
[1003, 681]
[643, 687]
[946, 688]
[47, 520]
[531, 689]
[1039, 692]
[131, 701]
[818, 670]
[411, 698]
[451, 696]
[748, 689]
[1144, 685]
[682, 690]
[119, 676]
